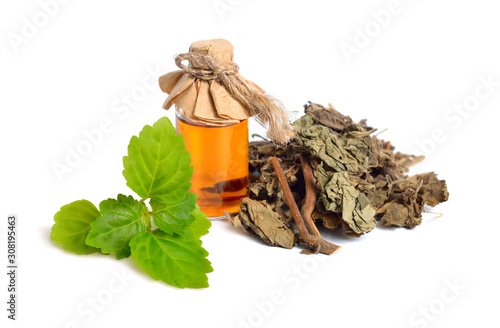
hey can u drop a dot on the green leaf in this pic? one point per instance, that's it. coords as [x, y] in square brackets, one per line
[157, 165]
[200, 225]
[73, 225]
[121, 219]
[177, 260]
[173, 217]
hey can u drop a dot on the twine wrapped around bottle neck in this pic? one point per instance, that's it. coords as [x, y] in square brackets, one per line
[268, 111]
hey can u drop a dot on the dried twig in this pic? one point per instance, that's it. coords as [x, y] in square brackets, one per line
[316, 242]
[310, 200]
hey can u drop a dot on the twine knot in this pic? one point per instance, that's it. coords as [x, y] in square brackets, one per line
[204, 67]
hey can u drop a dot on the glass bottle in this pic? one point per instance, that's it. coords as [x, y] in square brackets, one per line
[219, 156]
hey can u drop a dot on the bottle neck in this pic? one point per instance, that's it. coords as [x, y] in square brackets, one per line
[180, 116]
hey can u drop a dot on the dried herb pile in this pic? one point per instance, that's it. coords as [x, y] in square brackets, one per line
[336, 172]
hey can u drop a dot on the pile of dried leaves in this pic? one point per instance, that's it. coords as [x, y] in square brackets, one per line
[336, 172]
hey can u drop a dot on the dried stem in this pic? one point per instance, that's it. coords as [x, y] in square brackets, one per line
[316, 242]
[310, 200]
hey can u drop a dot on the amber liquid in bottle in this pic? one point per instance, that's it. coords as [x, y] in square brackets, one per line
[219, 156]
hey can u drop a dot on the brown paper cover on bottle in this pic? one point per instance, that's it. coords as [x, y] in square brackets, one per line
[206, 101]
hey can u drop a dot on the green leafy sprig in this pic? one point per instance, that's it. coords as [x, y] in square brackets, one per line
[158, 169]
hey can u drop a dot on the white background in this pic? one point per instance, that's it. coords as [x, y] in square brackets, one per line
[74, 70]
